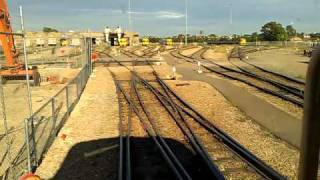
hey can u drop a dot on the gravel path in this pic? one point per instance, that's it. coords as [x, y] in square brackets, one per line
[92, 126]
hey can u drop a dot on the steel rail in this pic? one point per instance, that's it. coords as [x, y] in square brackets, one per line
[194, 141]
[152, 53]
[240, 57]
[254, 162]
[287, 88]
[272, 72]
[163, 142]
[121, 174]
[265, 90]
[128, 142]
[295, 91]
[151, 134]
[233, 145]
[246, 155]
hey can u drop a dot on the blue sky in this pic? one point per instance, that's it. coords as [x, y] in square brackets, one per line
[166, 17]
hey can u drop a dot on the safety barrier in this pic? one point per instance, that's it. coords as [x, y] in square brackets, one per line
[33, 140]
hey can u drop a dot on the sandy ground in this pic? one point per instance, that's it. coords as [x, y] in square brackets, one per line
[189, 52]
[284, 61]
[219, 53]
[16, 102]
[94, 118]
[16, 94]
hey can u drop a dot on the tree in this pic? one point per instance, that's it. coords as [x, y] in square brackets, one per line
[153, 39]
[273, 31]
[181, 38]
[235, 37]
[315, 36]
[254, 36]
[212, 36]
[291, 31]
[48, 29]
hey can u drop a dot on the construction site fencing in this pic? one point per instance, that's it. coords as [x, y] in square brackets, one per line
[43, 126]
[22, 148]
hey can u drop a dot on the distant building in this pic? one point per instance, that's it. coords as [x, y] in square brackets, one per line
[132, 37]
[306, 36]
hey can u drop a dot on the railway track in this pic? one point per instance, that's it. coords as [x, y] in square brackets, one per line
[264, 84]
[243, 52]
[137, 155]
[294, 86]
[213, 154]
[147, 53]
[167, 151]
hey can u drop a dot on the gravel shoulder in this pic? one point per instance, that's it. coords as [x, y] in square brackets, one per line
[94, 118]
[222, 113]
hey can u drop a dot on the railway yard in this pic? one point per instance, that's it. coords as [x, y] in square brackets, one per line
[156, 114]
[159, 90]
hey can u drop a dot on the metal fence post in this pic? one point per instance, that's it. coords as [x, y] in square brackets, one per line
[53, 113]
[81, 81]
[26, 130]
[77, 84]
[34, 144]
[67, 98]
[90, 49]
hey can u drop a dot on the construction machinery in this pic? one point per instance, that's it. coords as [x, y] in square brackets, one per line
[145, 42]
[123, 42]
[242, 42]
[169, 42]
[13, 69]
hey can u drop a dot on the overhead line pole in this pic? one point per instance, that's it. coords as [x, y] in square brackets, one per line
[26, 62]
[129, 19]
[231, 18]
[186, 18]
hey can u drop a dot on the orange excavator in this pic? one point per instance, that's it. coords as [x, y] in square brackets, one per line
[13, 68]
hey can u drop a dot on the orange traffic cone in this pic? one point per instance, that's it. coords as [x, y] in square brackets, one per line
[29, 176]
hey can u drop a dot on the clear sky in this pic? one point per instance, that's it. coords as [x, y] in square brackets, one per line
[166, 17]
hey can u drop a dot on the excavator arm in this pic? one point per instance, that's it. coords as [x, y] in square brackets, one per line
[13, 70]
[6, 36]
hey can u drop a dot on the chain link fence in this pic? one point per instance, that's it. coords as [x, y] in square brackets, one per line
[23, 142]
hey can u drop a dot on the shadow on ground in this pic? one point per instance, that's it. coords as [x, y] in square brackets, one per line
[99, 159]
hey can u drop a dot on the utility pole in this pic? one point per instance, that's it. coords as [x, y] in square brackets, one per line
[26, 62]
[129, 19]
[186, 30]
[231, 18]
[231, 14]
